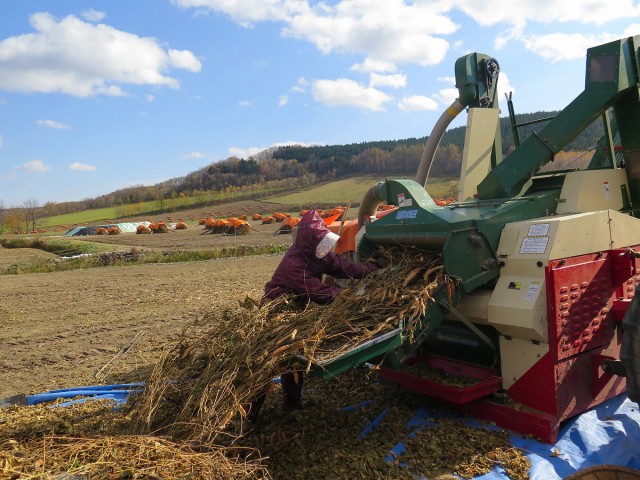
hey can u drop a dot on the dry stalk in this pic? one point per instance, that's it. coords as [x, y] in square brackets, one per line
[201, 384]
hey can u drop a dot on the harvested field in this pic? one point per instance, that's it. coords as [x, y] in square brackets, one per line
[195, 237]
[58, 329]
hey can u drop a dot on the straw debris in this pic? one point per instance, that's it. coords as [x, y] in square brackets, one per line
[200, 385]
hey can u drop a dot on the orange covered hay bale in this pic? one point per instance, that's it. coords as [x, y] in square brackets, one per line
[279, 217]
[202, 221]
[162, 228]
[239, 227]
[256, 216]
[181, 226]
[114, 231]
[288, 224]
[267, 220]
[242, 217]
[291, 222]
[222, 226]
[143, 229]
[102, 231]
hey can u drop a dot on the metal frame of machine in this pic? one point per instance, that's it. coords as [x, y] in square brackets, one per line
[546, 263]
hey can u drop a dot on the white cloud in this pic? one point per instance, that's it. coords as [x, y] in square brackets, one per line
[416, 103]
[244, 12]
[631, 30]
[194, 155]
[300, 86]
[53, 124]
[504, 86]
[244, 152]
[150, 98]
[564, 46]
[82, 167]
[283, 100]
[241, 152]
[82, 59]
[244, 103]
[397, 80]
[35, 166]
[370, 65]
[449, 80]
[345, 92]
[393, 32]
[184, 59]
[446, 96]
[550, 11]
[386, 33]
[92, 15]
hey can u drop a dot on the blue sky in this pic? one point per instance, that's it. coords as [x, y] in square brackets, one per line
[101, 95]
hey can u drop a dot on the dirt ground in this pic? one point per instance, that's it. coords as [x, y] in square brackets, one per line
[57, 330]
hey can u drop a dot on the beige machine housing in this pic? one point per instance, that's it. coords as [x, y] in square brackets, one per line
[587, 221]
[518, 305]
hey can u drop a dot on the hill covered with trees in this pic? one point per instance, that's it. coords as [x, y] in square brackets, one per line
[291, 167]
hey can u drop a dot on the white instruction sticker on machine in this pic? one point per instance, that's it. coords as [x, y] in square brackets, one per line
[533, 245]
[403, 201]
[538, 230]
[532, 291]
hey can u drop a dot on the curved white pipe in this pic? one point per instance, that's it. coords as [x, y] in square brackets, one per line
[369, 204]
[434, 140]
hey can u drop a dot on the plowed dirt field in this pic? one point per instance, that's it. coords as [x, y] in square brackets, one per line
[57, 330]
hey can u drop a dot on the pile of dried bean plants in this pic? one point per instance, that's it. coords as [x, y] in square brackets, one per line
[93, 440]
[200, 385]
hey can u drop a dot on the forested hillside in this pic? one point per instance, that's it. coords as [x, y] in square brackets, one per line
[288, 168]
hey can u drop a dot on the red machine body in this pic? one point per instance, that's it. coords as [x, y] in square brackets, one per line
[586, 296]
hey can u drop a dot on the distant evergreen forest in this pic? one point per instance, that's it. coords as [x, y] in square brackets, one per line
[291, 167]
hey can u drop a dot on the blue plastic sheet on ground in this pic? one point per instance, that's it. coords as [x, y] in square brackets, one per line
[118, 393]
[607, 434]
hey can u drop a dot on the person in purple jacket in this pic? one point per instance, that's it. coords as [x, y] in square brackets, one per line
[299, 274]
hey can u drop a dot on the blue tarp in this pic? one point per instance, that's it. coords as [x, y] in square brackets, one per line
[607, 434]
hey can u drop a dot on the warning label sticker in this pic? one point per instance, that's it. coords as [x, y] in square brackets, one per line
[534, 245]
[532, 291]
[538, 230]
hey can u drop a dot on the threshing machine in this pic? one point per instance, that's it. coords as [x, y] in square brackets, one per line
[546, 263]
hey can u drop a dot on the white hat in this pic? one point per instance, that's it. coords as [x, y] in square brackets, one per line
[326, 244]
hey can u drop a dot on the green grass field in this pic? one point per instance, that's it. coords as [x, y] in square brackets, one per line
[351, 190]
[143, 209]
[340, 192]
